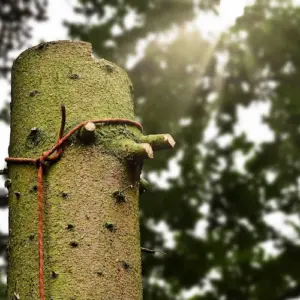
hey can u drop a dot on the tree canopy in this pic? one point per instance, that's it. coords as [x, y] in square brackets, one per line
[15, 29]
[228, 186]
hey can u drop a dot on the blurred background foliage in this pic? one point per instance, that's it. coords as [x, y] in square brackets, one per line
[216, 208]
[14, 26]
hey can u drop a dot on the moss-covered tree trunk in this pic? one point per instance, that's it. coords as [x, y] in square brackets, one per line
[91, 228]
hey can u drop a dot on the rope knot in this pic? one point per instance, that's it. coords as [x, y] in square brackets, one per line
[41, 161]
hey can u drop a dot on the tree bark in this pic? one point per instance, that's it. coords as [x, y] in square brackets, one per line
[84, 257]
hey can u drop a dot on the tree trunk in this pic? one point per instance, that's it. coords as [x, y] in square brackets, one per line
[91, 229]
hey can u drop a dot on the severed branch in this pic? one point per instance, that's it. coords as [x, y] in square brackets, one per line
[131, 148]
[159, 141]
[87, 132]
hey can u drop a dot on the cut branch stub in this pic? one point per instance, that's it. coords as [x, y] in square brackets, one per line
[131, 149]
[144, 150]
[87, 132]
[148, 144]
[159, 141]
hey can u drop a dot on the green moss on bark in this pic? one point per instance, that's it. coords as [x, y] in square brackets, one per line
[78, 189]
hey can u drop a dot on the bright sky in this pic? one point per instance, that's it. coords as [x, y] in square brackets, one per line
[212, 26]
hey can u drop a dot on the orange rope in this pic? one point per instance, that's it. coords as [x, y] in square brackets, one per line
[41, 233]
[41, 164]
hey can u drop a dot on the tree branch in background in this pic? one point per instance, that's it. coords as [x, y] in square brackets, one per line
[14, 28]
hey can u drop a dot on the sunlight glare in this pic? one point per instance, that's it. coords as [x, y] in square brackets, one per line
[211, 26]
[229, 12]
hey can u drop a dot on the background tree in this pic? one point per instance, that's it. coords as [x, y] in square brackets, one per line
[228, 186]
[14, 26]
